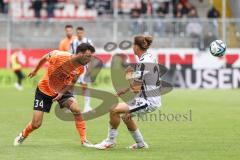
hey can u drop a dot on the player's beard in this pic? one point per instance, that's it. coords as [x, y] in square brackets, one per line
[85, 59]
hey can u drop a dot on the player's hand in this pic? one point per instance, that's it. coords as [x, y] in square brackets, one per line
[129, 69]
[121, 92]
[59, 96]
[32, 74]
[129, 72]
[129, 75]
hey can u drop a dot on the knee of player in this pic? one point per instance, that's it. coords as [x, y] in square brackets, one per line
[113, 110]
[36, 124]
[126, 118]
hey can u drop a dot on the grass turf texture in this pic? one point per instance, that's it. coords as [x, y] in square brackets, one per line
[212, 134]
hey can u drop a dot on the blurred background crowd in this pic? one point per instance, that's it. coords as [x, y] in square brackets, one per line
[132, 8]
[174, 23]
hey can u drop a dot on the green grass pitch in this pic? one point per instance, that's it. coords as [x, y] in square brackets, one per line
[211, 133]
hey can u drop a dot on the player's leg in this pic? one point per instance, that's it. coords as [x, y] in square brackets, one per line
[114, 122]
[71, 103]
[31, 126]
[42, 103]
[86, 94]
[85, 91]
[115, 112]
[135, 132]
[20, 76]
[139, 106]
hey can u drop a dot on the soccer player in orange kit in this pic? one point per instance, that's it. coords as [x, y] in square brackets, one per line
[63, 70]
[64, 45]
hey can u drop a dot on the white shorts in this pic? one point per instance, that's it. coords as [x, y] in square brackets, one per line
[139, 106]
[81, 79]
[84, 79]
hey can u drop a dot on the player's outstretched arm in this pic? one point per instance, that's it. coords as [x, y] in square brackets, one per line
[41, 62]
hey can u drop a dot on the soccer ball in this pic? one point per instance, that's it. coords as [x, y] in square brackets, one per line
[218, 48]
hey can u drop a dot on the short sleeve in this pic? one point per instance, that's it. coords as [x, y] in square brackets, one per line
[52, 56]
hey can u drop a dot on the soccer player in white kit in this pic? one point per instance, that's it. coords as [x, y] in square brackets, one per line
[84, 78]
[146, 85]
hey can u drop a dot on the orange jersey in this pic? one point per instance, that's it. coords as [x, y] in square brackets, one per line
[60, 73]
[65, 43]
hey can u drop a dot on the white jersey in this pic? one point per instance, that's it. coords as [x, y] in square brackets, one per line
[84, 77]
[148, 71]
[76, 42]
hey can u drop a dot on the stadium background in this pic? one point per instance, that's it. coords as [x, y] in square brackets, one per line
[182, 30]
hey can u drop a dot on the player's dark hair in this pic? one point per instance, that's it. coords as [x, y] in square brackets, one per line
[80, 28]
[84, 47]
[144, 42]
[68, 26]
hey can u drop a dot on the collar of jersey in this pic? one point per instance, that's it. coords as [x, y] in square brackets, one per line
[142, 56]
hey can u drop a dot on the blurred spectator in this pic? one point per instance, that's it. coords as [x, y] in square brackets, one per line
[120, 7]
[213, 13]
[50, 7]
[90, 4]
[146, 7]
[184, 2]
[193, 13]
[1, 6]
[37, 6]
[165, 7]
[135, 14]
[213, 24]
[64, 45]
[161, 10]
[183, 9]
[4, 6]
[16, 66]
[159, 27]
[104, 7]
[195, 30]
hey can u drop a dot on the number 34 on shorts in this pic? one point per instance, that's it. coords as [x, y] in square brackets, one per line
[38, 103]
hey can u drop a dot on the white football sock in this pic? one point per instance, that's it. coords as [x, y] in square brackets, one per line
[137, 136]
[112, 134]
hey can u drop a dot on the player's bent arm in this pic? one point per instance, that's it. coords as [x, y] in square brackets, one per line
[71, 85]
[123, 91]
[41, 62]
[135, 85]
[129, 69]
[65, 89]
